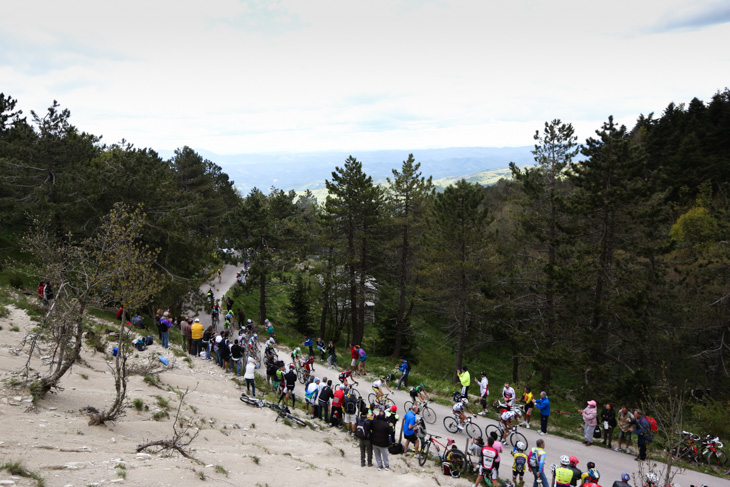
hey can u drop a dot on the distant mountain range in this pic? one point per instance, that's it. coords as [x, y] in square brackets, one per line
[308, 170]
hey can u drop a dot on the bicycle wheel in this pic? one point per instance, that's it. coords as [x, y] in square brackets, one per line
[407, 406]
[372, 397]
[493, 428]
[300, 376]
[717, 458]
[515, 437]
[457, 461]
[424, 454]
[356, 393]
[450, 424]
[428, 415]
[296, 420]
[248, 400]
[388, 403]
[473, 430]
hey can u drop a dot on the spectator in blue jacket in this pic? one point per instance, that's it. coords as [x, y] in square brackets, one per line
[309, 343]
[405, 369]
[543, 405]
[640, 426]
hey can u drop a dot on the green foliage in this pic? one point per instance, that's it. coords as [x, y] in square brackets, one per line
[300, 307]
[138, 404]
[695, 227]
[712, 418]
[17, 468]
[16, 281]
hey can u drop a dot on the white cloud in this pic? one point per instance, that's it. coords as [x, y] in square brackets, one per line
[234, 76]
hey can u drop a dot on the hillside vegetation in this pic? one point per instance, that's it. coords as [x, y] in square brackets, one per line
[601, 270]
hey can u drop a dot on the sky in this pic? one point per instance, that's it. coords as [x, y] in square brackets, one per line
[236, 77]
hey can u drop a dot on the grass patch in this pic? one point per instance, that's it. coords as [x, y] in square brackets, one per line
[178, 352]
[152, 380]
[221, 470]
[17, 468]
[4, 312]
[138, 404]
[122, 474]
[189, 361]
[255, 459]
[14, 328]
[160, 415]
[84, 376]
[201, 475]
[162, 402]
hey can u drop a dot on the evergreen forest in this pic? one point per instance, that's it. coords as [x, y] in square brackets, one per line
[605, 262]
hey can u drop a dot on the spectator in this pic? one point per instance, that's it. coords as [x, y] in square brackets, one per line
[527, 398]
[624, 482]
[250, 376]
[236, 357]
[497, 445]
[410, 431]
[338, 401]
[584, 476]
[576, 471]
[355, 356]
[321, 346]
[543, 405]
[331, 356]
[164, 329]
[309, 343]
[187, 334]
[310, 395]
[536, 460]
[290, 380]
[405, 369]
[486, 467]
[640, 426]
[362, 357]
[380, 434]
[42, 293]
[325, 396]
[364, 426]
[608, 417]
[624, 428]
[208, 335]
[465, 379]
[483, 392]
[196, 334]
[590, 416]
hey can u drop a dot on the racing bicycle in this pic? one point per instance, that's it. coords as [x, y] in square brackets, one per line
[451, 454]
[427, 413]
[452, 423]
[513, 436]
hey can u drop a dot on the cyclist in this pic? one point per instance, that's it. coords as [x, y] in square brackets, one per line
[563, 474]
[624, 482]
[343, 378]
[214, 316]
[419, 393]
[253, 344]
[376, 387]
[309, 364]
[652, 480]
[506, 420]
[290, 380]
[219, 275]
[593, 477]
[483, 392]
[576, 471]
[520, 462]
[458, 411]
[584, 476]
[296, 356]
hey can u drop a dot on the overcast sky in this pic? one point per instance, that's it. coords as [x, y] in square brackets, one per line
[301, 75]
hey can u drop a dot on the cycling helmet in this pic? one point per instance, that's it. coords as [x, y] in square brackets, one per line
[652, 478]
[299, 349]
[625, 477]
[394, 408]
[520, 446]
[249, 321]
[594, 474]
[382, 378]
[564, 460]
[422, 385]
[464, 400]
[483, 373]
[255, 335]
[292, 366]
[574, 460]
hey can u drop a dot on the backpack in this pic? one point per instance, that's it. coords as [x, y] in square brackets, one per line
[350, 404]
[362, 430]
[533, 459]
[149, 341]
[206, 336]
[363, 355]
[140, 346]
[652, 423]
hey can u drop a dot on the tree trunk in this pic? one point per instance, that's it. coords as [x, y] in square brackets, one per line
[40, 388]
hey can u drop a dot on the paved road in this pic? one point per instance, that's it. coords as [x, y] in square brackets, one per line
[228, 279]
[609, 463]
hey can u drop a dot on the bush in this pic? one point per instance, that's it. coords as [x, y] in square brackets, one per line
[713, 418]
[16, 281]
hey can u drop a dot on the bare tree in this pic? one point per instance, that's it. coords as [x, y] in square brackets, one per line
[182, 436]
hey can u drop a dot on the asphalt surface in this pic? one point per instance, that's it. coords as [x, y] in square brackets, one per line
[609, 463]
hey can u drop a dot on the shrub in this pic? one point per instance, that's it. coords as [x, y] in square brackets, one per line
[16, 281]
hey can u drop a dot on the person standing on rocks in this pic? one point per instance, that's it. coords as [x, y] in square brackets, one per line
[380, 434]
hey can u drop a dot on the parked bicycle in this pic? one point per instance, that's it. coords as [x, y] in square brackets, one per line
[451, 454]
[426, 412]
[693, 448]
[513, 437]
[282, 411]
